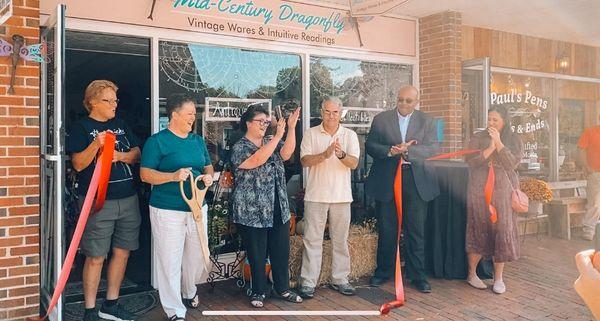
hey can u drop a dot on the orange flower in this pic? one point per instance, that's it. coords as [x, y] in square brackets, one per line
[536, 190]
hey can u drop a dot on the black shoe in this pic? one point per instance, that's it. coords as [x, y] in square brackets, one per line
[377, 281]
[115, 313]
[422, 286]
[91, 315]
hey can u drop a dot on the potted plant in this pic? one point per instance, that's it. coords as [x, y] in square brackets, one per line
[538, 191]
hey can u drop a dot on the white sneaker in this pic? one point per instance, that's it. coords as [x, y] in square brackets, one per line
[476, 283]
[499, 287]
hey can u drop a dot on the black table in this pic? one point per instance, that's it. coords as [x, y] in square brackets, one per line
[445, 255]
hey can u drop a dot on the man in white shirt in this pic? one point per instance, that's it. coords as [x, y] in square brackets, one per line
[330, 151]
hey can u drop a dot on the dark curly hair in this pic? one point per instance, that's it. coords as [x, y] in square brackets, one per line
[249, 114]
[510, 139]
[175, 101]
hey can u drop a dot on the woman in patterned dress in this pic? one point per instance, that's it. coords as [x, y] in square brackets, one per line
[503, 149]
[260, 206]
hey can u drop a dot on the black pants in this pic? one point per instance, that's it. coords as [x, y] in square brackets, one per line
[414, 210]
[272, 242]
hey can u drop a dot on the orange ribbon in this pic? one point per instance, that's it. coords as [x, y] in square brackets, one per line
[488, 191]
[106, 158]
[399, 286]
[99, 183]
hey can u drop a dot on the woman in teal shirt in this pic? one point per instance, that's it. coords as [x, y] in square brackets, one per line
[169, 157]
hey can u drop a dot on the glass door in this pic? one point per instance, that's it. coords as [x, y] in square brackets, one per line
[52, 158]
[475, 95]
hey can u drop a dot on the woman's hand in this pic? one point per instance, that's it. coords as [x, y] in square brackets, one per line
[207, 179]
[117, 156]
[293, 119]
[495, 135]
[100, 139]
[182, 174]
[280, 128]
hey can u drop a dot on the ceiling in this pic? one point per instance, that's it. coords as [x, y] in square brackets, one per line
[576, 21]
[102, 43]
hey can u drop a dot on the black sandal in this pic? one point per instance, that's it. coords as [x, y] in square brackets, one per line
[192, 303]
[288, 295]
[257, 300]
[176, 318]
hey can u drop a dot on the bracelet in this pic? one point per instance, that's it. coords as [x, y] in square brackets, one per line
[343, 155]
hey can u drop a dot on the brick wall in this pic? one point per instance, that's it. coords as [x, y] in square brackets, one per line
[19, 172]
[440, 72]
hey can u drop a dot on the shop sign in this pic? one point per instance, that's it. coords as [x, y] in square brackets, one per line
[373, 7]
[273, 20]
[530, 126]
[285, 13]
[230, 109]
[517, 97]
[6, 10]
[533, 106]
[359, 116]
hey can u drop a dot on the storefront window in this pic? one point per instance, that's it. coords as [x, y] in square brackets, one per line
[228, 79]
[529, 101]
[224, 82]
[579, 103]
[533, 102]
[365, 88]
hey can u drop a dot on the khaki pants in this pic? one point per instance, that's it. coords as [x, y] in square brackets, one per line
[315, 218]
[592, 215]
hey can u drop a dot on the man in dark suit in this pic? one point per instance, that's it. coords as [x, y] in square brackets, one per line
[410, 134]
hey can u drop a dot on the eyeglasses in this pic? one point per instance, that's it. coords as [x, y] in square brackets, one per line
[110, 101]
[330, 113]
[262, 122]
[407, 100]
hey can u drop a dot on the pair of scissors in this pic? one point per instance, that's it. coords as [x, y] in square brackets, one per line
[195, 204]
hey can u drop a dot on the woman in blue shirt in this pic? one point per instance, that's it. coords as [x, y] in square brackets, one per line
[260, 204]
[168, 158]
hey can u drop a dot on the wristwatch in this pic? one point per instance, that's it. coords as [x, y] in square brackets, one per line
[343, 155]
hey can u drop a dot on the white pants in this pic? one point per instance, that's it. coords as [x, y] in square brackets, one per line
[178, 257]
[315, 218]
[592, 215]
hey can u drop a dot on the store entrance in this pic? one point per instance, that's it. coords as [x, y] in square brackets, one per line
[126, 62]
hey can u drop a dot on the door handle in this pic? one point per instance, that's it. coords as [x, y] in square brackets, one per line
[54, 158]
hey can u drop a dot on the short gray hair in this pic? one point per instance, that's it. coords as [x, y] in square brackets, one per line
[334, 99]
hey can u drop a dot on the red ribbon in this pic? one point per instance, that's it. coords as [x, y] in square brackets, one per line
[99, 183]
[461, 152]
[106, 159]
[399, 286]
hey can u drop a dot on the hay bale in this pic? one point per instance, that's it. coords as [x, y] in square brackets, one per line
[362, 244]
